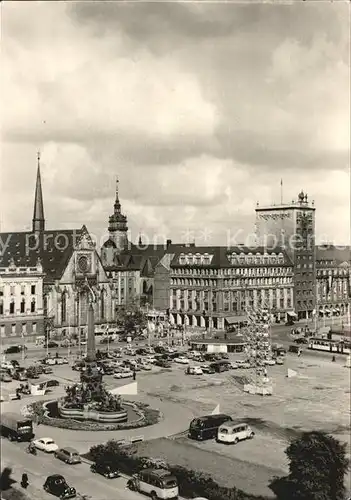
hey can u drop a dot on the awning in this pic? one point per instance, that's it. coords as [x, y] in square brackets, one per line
[292, 314]
[335, 310]
[231, 320]
[327, 311]
[321, 311]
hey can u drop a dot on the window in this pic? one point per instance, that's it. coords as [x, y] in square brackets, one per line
[23, 306]
[22, 289]
[12, 307]
[1, 307]
[24, 328]
[32, 289]
[63, 307]
[1, 291]
[13, 329]
[32, 306]
[12, 290]
[2, 330]
[34, 328]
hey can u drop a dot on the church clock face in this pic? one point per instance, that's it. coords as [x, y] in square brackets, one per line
[84, 264]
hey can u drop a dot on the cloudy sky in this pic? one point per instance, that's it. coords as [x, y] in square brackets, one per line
[199, 108]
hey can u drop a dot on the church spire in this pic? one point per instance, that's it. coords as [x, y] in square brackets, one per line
[117, 205]
[38, 214]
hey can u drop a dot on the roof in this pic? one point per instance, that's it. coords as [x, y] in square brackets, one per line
[336, 254]
[236, 341]
[53, 248]
[220, 255]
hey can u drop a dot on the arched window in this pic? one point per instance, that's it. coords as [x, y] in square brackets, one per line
[12, 307]
[63, 307]
[102, 304]
[1, 307]
[32, 306]
[23, 306]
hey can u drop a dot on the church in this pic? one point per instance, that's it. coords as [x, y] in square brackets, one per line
[47, 278]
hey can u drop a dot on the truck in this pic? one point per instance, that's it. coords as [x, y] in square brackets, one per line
[16, 427]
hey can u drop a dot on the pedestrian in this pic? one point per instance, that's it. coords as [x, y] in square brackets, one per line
[134, 374]
[333, 358]
[24, 481]
[299, 353]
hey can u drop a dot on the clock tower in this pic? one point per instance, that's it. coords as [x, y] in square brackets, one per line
[291, 226]
[117, 226]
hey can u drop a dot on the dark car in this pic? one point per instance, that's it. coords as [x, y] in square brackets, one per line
[32, 373]
[159, 349]
[52, 345]
[301, 340]
[163, 363]
[52, 383]
[14, 349]
[57, 485]
[106, 469]
[20, 375]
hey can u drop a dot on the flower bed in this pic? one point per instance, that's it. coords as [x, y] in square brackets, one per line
[147, 416]
[191, 483]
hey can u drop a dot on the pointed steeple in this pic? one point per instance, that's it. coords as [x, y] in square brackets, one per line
[38, 214]
[117, 205]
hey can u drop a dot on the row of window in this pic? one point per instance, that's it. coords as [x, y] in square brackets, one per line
[233, 295]
[13, 290]
[333, 272]
[24, 329]
[12, 308]
[205, 306]
[240, 271]
[232, 283]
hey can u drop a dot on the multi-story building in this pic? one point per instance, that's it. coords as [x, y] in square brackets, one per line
[292, 227]
[210, 287]
[21, 300]
[61, 268]
[333, 280]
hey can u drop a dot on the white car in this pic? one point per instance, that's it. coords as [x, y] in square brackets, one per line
[123, 374]
[194, 370]
[279, 361]
[181, 360]
[242, 364]
[150, 359]
[269, 362]
[233, 366]
[145, 366]
[46, 444]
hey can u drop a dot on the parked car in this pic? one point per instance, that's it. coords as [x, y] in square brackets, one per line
[68, 455]
[207, 369]
[123, 374]
[52, 383]
[162, 363]
[193, 370]
[5, 377]
[57, 485]
[106, 469]
[182, 360]
[301, 340]
[14, 349]
[242, 364]
[52, 345]
[20, 375]
[46, 444]
[32, 372]
[279, 361]
[269, 362]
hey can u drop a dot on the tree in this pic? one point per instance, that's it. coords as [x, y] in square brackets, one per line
[130, 318]
[317, 467]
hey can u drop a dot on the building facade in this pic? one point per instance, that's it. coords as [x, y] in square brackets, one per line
[21, 301]
[333, 280]
[292, 226]
[210, 287]
[47, 277]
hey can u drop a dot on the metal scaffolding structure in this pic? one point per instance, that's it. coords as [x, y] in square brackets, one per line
[259, 346]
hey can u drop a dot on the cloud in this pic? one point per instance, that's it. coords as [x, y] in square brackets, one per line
[199, 109]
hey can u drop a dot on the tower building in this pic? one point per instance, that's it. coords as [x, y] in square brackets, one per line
[117, 226]
[292, 227]
[38, 225]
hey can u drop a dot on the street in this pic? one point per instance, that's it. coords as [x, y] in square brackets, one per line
[79, 476]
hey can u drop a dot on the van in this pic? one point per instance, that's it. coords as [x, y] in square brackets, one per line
[294, 348]
[207, 427]
[68, 455]
[220, 366]
[231, 432]
[156, 483]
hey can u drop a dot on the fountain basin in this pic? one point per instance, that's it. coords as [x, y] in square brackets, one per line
[108, 417]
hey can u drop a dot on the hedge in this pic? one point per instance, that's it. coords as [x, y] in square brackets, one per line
[191, 482]
[148, 416]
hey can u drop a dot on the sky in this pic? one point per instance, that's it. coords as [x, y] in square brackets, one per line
[200, 109]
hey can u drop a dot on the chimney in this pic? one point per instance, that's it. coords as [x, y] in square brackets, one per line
[168, 243]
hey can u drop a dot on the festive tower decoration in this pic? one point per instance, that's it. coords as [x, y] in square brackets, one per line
[38, 213]
[259, 348]
[91, 377]
[118, 225]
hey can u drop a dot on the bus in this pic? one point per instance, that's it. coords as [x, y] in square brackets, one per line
[16, 427]
[329, 345]
[206, 427]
